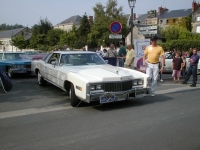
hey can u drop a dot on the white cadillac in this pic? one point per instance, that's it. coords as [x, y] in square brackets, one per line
[87, 77]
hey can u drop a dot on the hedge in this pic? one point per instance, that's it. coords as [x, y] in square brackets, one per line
[180, 45]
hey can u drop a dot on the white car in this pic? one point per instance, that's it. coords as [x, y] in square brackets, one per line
[87, 77]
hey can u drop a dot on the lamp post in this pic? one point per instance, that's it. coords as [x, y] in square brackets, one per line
[131, 5]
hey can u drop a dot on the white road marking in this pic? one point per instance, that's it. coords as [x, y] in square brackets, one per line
[30, 111]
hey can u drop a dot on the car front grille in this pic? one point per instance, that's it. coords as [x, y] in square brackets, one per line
[117, 86]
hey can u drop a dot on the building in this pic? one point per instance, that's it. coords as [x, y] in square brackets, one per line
[67, 24]
[6, 36]
[196, 18]
[163, 18]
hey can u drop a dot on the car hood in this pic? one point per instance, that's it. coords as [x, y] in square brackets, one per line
[18, 61]
[99, 73]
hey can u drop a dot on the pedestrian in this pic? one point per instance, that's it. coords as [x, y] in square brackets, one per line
[66, 48]
[177, 64]
[112, 52]
[104, 54]
[83, 49]
[153, 52]
[129, 58]
[194, 59]
[98, 51]
[184, 67]
[191, 52]
[121, 54]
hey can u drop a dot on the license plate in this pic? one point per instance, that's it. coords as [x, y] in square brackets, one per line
[107, 98]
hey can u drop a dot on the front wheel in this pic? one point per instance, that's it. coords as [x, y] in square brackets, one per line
[74, 100]
[10, 74]
[41, 80]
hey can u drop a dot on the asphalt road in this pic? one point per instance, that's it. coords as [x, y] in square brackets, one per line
[34, 117]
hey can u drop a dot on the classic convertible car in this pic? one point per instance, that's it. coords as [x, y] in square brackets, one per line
[14, 63]
[87, 77]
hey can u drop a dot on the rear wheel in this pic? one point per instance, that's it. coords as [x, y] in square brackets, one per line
[41, 80]
[10, 74]
[74, 100]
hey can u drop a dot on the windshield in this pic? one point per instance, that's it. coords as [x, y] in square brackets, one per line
[81, 59]
[13, 56]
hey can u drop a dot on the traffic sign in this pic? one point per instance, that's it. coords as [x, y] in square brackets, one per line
[115, 27]
[148, 28]
[148, 32]
[115, 36]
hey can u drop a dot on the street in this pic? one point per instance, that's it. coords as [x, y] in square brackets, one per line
[35, 117]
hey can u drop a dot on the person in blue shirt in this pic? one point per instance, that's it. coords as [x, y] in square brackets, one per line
[121, 54]
[194, 60]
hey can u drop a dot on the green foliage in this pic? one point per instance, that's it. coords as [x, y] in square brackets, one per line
[104, 16]
[19, 42]
[84, 29]
[40, 31]
[180, 45]
[53, 36]
[4, 26]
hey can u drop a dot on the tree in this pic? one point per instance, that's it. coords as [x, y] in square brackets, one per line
[19, 42]
[53, 36]
[103, 17]
[39, 34]
[84, 29]
[185, 22]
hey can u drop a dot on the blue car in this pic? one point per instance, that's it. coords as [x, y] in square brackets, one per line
[15, 63]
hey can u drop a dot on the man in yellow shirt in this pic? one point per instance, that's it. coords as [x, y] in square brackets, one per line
[152, 53]
[130, 56]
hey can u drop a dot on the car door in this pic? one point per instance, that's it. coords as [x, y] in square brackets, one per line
[168, 62]
[52, 67]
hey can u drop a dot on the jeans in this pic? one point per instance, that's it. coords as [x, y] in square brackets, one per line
[183, 73]
[153, 71]
[192, 71]
[121, 62]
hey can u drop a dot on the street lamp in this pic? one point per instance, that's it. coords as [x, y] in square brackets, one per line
[131, 5]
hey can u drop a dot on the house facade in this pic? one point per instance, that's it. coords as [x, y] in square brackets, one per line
[6, 36]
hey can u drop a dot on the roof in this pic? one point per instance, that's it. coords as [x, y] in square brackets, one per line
[175, 13]
[73, 19]
[168, 14]
[9, 33]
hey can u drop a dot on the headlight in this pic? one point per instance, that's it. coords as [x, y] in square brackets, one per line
[98, 87]
[95, 87]
[92, 87]
[140, 82]
[137, 82]
[13, 66]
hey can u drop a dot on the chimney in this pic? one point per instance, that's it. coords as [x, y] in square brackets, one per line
[195, 6]
[161, 10]
[134, 16]
[90, 18]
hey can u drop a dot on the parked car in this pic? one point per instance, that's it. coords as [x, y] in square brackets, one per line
[14, 63]
[87, 77]
[168, 63]
[34, 55]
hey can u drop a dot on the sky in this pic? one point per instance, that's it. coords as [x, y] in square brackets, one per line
[29, 12]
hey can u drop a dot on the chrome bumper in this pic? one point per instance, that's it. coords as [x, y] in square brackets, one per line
[120, 96]
[20, 70]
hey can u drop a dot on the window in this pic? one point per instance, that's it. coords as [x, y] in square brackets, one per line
[198, 29]
[167, 21]
[161, 21]
[198, 18]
